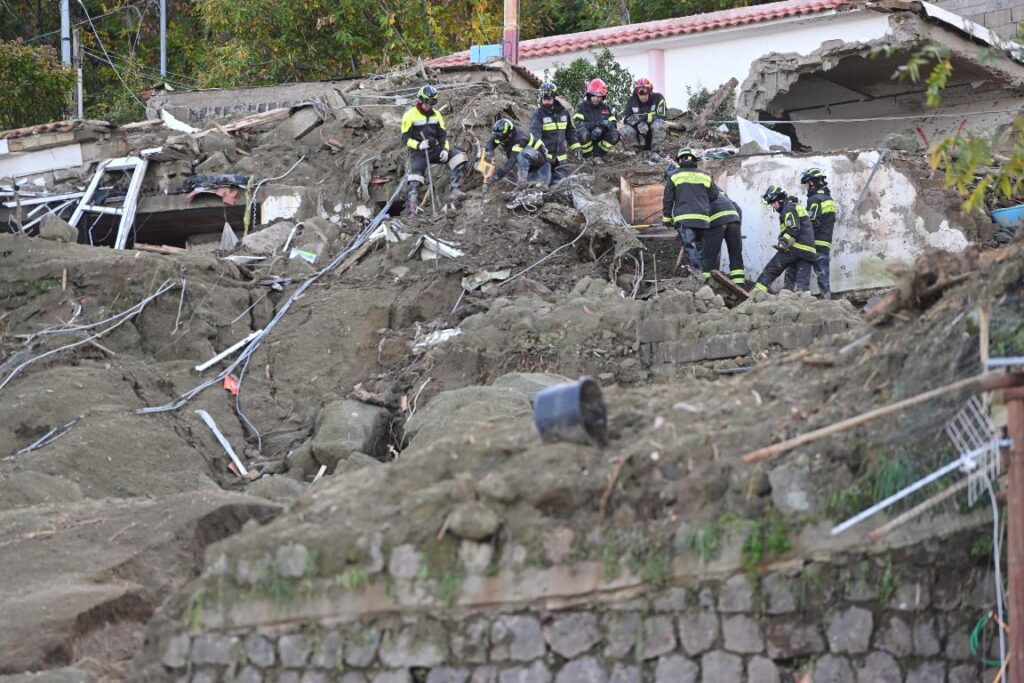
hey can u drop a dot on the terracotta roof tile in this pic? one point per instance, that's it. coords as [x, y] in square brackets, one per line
[632, 33]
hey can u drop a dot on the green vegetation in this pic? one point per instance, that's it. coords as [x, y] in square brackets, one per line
[882, 476]
[352, 580]
[698, 99]
[36, 86]
[650, 559]
[195, 610]
[573, 77]
[449, 585]
[768, 538]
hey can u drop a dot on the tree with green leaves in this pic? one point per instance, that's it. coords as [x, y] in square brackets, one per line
[36, 87]
[572, 78]
[967, 159]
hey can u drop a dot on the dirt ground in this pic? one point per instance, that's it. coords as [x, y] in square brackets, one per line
[101, 525]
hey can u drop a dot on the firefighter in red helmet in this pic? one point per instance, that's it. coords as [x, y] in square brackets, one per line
[595, 122]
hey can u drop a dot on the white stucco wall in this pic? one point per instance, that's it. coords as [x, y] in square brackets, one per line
[711, 58]
[893, 223]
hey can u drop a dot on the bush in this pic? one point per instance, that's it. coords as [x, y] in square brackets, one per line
[36, 87]
[572, 78]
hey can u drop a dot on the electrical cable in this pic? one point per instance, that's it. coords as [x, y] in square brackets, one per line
[113, 68]
[83, 23]
[148, 72]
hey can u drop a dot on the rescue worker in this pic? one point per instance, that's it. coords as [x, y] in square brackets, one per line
[822, 211]
[425, 137]
[522, 151]
[796, 242]
[643, 118]
[552, 123]
[686, 203]
[595, 122]
[725, 223]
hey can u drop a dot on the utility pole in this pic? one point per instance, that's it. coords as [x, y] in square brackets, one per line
[1014, 399]
[65, 32]
[77, 47]
[163, 39]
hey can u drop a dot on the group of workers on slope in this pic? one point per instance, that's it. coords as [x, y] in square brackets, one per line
[704, 216]
[541, 152]
[701, 213]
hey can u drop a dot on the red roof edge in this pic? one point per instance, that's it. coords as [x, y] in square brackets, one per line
[651, 30]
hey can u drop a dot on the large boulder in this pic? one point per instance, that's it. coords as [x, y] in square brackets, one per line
[346, 427]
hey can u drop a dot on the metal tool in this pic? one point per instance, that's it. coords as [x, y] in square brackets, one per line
[430, 180]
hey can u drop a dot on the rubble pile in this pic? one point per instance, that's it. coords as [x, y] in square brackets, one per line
[384, 423]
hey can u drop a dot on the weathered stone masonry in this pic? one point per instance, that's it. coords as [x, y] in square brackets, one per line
[853, 620]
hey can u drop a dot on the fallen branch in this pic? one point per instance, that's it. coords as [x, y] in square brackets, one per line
[986, 382]
[602, 506]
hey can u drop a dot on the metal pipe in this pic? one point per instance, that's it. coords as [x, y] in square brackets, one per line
[1005, 362]
[65, 32]
[242, 472]
[510, 32]
[163, 38]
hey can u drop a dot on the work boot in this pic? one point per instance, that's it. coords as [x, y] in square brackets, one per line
[412, 199]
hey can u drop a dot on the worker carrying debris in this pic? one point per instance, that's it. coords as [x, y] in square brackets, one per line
[725, 220]
[424, 134]
[796, 242]
[523, 151]
[822, 211]
[686, 203]
[595, 122]
[643, 118]
[552, 123]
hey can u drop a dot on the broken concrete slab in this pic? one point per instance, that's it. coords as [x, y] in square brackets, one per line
[301, 122]
[217, 162]
[267, 241]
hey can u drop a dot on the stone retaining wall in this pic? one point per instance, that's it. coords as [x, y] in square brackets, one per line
[855, 622]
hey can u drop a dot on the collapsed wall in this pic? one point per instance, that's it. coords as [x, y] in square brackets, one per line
[855, 82]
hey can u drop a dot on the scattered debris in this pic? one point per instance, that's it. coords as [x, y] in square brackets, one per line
[239, 467]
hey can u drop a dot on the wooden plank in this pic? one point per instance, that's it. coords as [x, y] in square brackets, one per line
[723, 279]
[1015, 531]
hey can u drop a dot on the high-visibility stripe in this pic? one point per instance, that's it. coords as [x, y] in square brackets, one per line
[412, 144]
[691, 216]
[536, 143]
[558, 157]
[575, 145]
[706, 275]
[822, 243]
[587, 147]
[828, 206]
[763, 288]
[517, 148]
[804, 247]
[550, 126]
[692, 178]
[605, 145]
[577, 115]
[723, 214]
[738, 279]
[737, 271]
[800, 211]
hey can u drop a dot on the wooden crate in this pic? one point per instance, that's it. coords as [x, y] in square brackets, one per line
[640, 195]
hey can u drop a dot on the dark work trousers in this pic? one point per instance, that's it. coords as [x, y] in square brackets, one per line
[796, 267]
[734, 244]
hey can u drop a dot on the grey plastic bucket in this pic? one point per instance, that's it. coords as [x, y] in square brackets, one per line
[572, 412]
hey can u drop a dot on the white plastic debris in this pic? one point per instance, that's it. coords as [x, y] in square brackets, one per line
[765, 138]
[435, 338]
[176, 124]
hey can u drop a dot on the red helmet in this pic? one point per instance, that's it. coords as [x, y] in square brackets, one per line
[644, 84]
[597, 87]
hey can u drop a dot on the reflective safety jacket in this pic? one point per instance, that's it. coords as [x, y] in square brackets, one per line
[653, 108]
[688, 196]
[796, 231]
[416, 126]
[589, 117]
[515, 143]
[724, 211]
[555, 128]
[822, 211]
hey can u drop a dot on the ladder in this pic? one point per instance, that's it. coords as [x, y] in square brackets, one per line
[137, 167]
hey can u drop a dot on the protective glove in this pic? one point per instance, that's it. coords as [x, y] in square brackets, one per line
[578, 153]
[632, 119]
[642, 128]
[666, 220]
[424, 144]
[443, 156]
[786, 241]
[596, 133]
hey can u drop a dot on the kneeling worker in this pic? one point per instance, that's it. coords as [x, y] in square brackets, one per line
[595, 122]
[425, 137]
[552, 123]
[644, 117]
[522, 151]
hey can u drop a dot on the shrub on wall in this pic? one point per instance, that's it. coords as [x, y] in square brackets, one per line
[36, 87]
